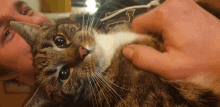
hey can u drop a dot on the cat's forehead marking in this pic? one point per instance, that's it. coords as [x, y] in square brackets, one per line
[73, 27]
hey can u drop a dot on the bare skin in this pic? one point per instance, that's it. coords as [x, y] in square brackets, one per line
[14, 50]
[191, 39]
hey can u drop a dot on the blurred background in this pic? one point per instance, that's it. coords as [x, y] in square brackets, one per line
[63, 8]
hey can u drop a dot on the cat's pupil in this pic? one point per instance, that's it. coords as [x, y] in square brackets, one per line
[59, 40]
[64, 74]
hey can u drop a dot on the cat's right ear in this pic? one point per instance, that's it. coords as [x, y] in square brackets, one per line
[28, 31]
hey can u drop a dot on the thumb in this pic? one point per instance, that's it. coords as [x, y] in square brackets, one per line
[147, 58]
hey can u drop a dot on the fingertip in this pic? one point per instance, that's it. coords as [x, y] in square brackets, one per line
[128, 53]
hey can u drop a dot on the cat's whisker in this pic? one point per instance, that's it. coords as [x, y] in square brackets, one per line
[96, 26]
[91, 89]
[109, 1]
[83, 22]
[93, 17]
[97, 82]
[84, 27]
[110, 81]
[104, 81]
[88, 20]
[114, 84]
[29, 85]
[34, 93]
[32, 83]
[96, 87]
[91, 23]
[109, 87]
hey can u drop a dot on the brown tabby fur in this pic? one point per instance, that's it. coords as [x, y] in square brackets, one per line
[94, 82]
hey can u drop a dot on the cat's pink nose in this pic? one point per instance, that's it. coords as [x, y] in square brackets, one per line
[83, 52]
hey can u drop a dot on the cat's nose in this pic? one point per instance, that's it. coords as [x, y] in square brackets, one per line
[83, 52]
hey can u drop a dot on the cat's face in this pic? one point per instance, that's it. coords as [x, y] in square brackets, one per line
[66, 57]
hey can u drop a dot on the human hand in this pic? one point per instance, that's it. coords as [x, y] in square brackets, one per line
[191, 38]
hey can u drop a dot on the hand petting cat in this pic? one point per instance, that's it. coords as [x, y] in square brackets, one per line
[191, 39]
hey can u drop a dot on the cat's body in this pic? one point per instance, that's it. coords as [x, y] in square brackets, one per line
[82, 68]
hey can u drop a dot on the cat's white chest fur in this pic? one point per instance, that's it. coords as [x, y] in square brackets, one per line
[110, 42]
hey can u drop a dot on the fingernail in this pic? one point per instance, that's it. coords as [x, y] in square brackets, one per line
[128, 53]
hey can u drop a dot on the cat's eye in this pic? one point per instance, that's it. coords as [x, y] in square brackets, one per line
[64, 74]
[60, 41]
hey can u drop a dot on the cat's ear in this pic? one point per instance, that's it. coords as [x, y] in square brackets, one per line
[29, 32]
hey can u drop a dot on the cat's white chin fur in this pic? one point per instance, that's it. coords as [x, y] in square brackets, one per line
[106, 44]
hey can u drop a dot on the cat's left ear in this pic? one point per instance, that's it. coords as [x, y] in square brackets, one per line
[28, 31]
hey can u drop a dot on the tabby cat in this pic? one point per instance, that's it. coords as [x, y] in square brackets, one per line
[78, 67]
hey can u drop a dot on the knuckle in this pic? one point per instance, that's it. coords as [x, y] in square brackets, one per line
[164, 13]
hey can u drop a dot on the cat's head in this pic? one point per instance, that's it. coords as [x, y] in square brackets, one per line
[65, 56]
